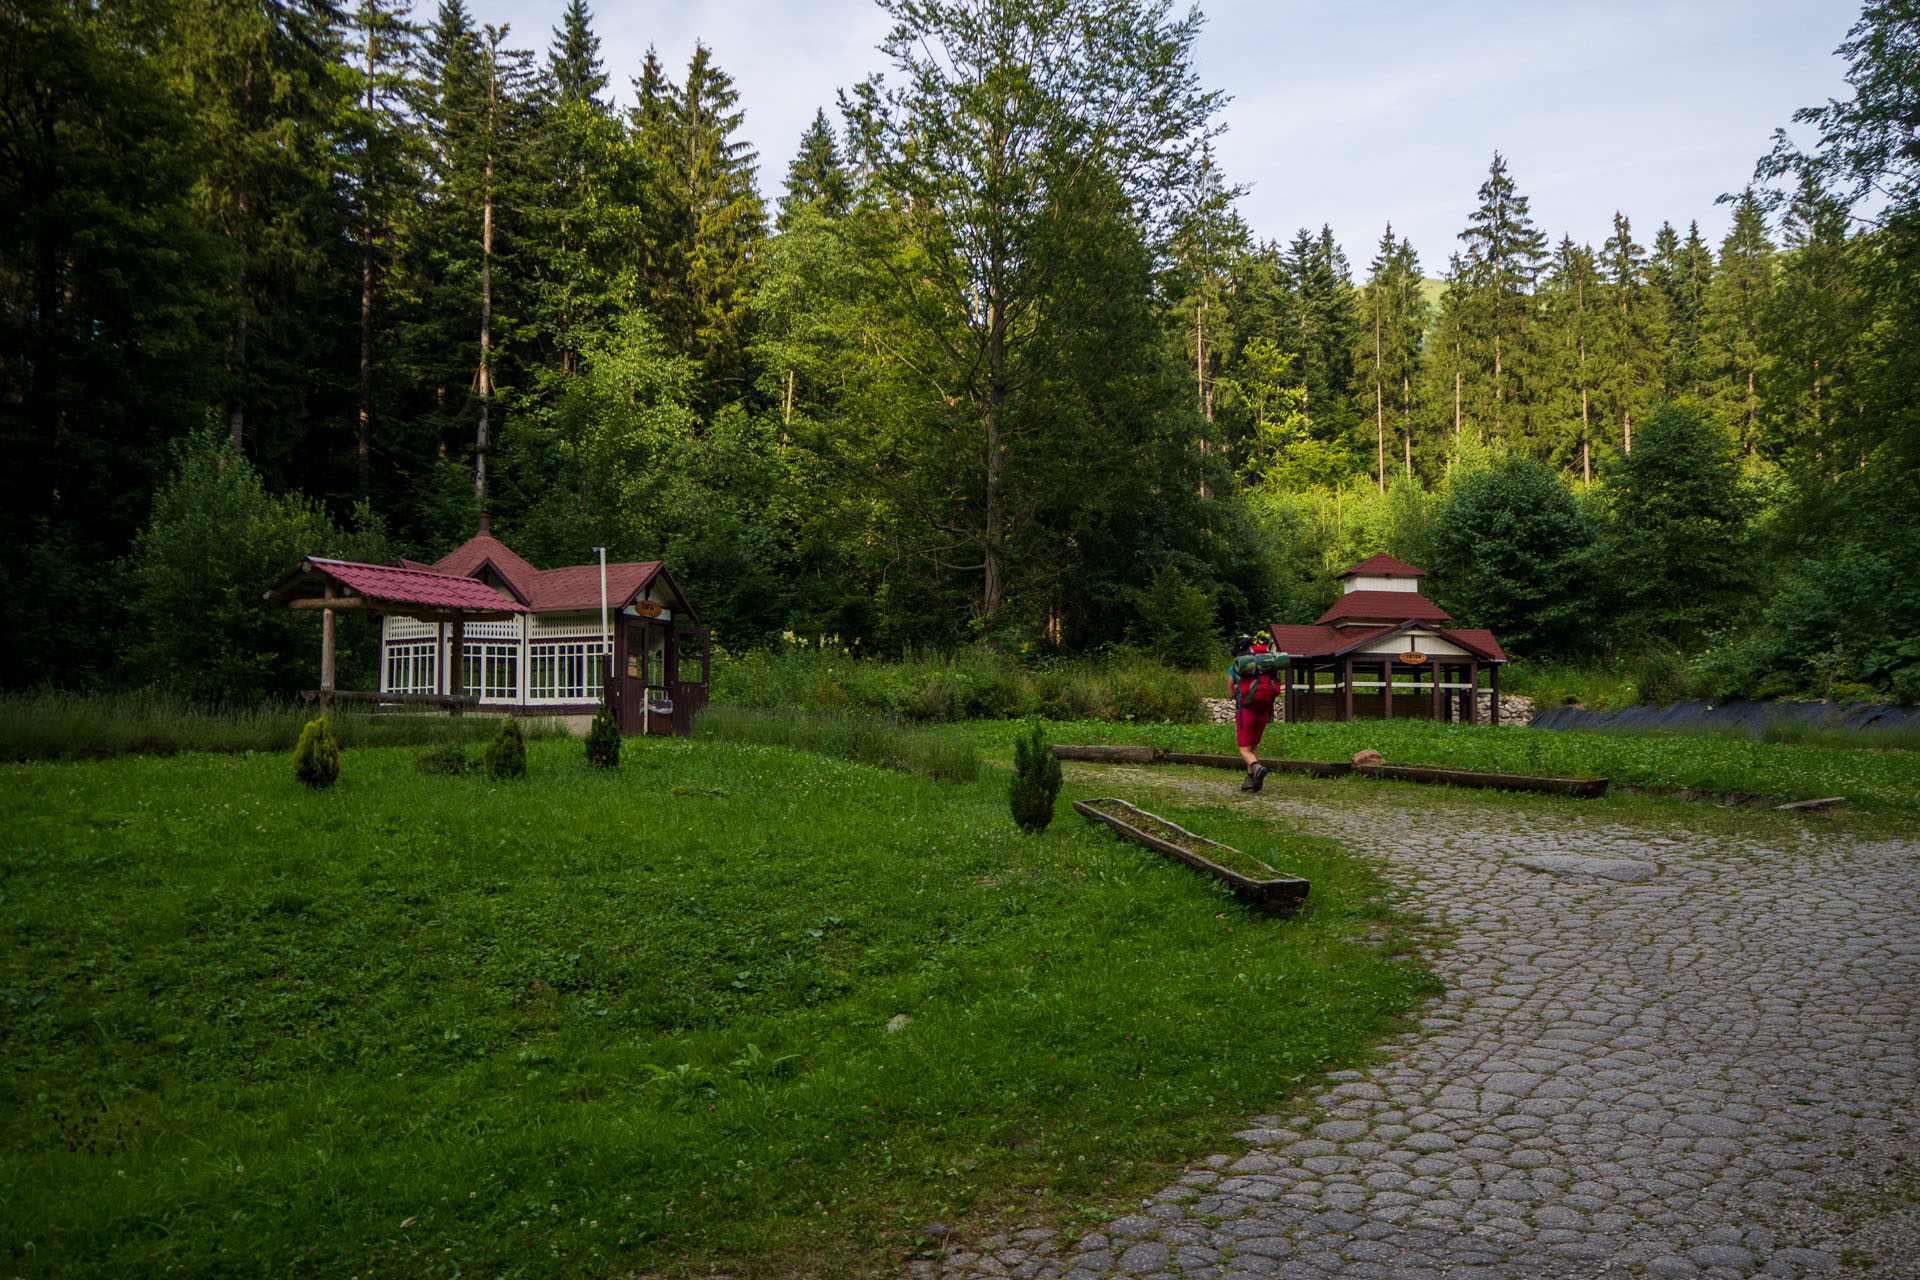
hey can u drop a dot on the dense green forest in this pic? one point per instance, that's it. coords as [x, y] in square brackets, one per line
[1000, 365]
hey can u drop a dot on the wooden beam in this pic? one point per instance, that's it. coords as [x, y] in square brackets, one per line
[1386, 688]
[1472, 693]
[360, 604]
[1346, 688]
[1494, 703]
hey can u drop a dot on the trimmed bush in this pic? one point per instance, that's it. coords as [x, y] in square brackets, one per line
[316, 757]
[506, 755]
[603, 738]
[447, 761]
[1036, 782]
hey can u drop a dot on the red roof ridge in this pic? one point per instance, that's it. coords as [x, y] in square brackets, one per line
[1382, 565]
[1384, 606]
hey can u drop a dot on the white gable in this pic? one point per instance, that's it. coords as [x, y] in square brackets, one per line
[1417, 640]
[1366, 583]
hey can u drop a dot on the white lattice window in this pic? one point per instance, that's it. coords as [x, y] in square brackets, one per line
[493, 670]
[566, 670]
[411, 668]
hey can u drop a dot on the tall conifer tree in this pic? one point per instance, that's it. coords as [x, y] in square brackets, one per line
[1736, 313]
[1573, 327]
[1504, 255]
[1635, 347]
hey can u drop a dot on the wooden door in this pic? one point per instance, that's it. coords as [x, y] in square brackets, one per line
[692, 666]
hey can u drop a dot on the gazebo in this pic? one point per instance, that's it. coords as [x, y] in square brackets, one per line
[436, 600]
[1383, 651]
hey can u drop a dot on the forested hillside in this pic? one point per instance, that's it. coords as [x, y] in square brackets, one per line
[999, 363]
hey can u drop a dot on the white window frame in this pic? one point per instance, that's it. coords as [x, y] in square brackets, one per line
[576, 670]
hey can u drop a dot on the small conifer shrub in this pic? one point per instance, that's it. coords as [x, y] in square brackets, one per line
[603, 738]
[1036, 782]
[316, 756]
[506, 755]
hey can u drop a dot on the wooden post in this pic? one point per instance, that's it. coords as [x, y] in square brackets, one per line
[1493, 678]
[1473, 692]
[1346, 689]
[1386, 689]
[1433, 687]
[326, 653]
[457, 664]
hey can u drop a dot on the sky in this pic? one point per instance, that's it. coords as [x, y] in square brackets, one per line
[1354, 113]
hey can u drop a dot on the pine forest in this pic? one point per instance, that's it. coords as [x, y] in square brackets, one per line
[1000, 363]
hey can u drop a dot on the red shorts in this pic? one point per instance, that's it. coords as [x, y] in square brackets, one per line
[1249, 724]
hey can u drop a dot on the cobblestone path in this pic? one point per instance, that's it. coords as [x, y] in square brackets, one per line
[1660, 1054]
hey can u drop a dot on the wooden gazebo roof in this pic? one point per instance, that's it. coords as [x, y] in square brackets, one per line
[377, 588]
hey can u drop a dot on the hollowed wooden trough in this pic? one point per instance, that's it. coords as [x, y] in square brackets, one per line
[1155, 832]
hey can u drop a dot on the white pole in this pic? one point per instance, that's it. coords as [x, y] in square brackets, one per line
[606, 636]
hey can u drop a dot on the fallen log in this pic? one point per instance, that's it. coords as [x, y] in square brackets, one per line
[1320, 768]
[1581, 787]
[1584, 787]
[1107, 755]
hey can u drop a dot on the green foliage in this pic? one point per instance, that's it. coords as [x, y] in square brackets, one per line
[443, 761]
[603, 736]
[1176, 620]
[216, 541]
[1035, 784]
[970, 684]
[864, 739]
[506, 754]
[1677, 539]
[74, 726]
[1511, 553]
[316, 757]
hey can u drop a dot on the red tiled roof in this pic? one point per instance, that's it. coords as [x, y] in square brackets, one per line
[428, 590]
[574, 587]
[1385, 606]
[482, 549]
[1383, 566]
[1478, 639]
[1323, 641]
[578, 586]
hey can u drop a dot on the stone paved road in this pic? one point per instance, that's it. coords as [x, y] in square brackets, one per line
[1661, 1054]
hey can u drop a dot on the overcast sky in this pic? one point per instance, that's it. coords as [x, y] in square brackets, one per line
[1357, 112]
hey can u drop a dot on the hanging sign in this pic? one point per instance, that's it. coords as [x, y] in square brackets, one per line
[647, 608]
[1413, 658]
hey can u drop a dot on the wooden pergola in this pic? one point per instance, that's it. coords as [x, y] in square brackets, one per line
[344, 586]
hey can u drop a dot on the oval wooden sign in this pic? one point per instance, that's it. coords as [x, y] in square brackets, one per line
[647, 608]
[1413, 658]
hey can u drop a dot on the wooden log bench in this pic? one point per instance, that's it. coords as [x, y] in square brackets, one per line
[1586, 788]
[456, 703]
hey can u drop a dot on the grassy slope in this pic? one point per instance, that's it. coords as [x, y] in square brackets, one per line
[1885, 779]
[592, 1023]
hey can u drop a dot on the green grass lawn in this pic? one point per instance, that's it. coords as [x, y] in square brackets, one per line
[595, 1023]
[1887, 779]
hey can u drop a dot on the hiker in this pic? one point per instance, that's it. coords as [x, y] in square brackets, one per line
[1254, 677]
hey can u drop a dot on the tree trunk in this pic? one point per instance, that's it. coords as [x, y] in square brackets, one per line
[993, 534]
[364, 442]
[237, 407]
[1379, 400]
[1406, 418]
[483, 435]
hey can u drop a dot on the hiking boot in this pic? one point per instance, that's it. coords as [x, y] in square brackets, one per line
[1257, 777]
[1247, 783]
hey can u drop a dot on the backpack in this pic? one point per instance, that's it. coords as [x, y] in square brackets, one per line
[1257, 679]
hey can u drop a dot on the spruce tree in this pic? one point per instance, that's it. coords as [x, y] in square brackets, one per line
[1737, 303]
[1630, 381]
[1573, 325]
[703, 219]
[817, 176]
[1504, 254]
[1393, 325]
[1035, 785]
[1815, 328]
[383, 173]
